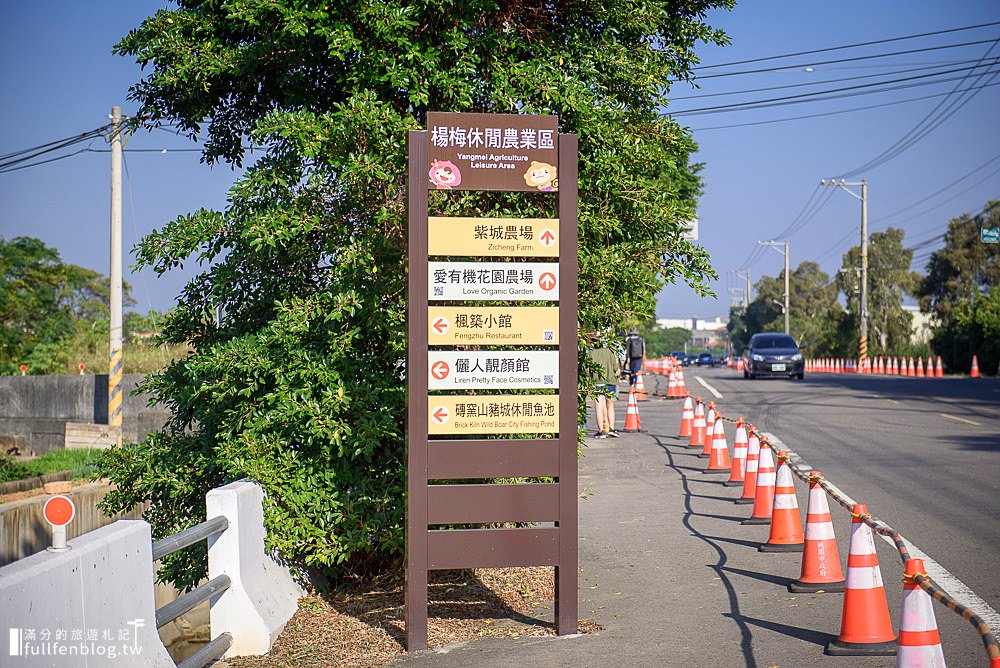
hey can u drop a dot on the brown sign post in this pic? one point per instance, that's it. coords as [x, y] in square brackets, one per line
[455, 436]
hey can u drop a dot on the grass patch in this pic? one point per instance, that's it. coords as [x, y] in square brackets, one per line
[80, 462]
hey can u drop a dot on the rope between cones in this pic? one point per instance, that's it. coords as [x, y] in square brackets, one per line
[921, 579]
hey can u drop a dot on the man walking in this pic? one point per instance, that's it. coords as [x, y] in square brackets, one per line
[635, 348]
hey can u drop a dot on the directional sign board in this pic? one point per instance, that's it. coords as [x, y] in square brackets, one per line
[493, 414]
[492, 325]
[493, 280]
[990, 235]
[493, 237]
[494, 369]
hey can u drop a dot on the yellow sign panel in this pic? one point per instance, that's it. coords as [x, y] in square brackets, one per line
[488, 325]
[493, 414]
[486, 237]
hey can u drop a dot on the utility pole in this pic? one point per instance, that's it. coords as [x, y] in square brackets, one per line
[842, 184]
[115, 363]
[775, 245]
[746, 292]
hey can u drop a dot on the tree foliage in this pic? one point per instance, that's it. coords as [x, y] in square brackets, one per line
[661, 341]
[815, 315]
[45, 305]
[960, 291]
[300, 387]
[889, 279]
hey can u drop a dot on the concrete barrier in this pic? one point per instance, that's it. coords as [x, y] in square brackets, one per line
[91, 605]
[263, 596]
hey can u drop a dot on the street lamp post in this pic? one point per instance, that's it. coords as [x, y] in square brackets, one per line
[775, 245]
[842, 184]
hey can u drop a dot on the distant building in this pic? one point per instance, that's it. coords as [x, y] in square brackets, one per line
[704, 333]
[921, 329]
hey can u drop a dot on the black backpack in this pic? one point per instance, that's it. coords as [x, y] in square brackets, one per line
[635, 347]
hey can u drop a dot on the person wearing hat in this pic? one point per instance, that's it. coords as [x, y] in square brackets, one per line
[635, 349]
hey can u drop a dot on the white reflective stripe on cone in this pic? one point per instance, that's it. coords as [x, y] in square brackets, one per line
[866, 577]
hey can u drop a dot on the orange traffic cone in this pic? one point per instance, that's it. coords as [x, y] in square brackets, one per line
[671, 384]
[920, 367]
[786, 522]
[681, 386]
[640, 389]
[763, 497]
[865, 627]
[698, 426]
[718, 461]
[687, 417]
[975, 368]
[750, 475]
[740, 447]
[632, 413]
[919, 641]
[820, 561]
[939, 368]
[710, 416]
[911, 368]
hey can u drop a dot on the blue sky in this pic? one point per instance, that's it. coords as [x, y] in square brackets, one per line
[61, 79]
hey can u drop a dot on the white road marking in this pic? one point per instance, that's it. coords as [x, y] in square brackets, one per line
[892, 401]
[718, 395]
[957, 589]
[955, 417]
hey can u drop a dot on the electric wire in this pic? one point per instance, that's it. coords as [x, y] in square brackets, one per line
[945, 188]
[930, 122]
[978, 62]
[800, 66]
[847, 46]
[841, 111]
[836, 93]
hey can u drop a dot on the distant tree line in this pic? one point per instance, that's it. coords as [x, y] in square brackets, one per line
[960, 291]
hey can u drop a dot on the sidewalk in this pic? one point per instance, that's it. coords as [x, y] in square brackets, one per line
[670, 574]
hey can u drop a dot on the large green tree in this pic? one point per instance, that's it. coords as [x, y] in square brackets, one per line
[960, 291]
[815, 316]
[300, 388]
[889, 280]
[44, 305]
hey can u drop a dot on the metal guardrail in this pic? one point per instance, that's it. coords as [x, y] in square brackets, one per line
[208, 654]
[214, 650]
[186, 602]
[189, 536]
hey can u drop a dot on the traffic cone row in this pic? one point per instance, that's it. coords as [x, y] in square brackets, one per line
[887, 366]
[866, 628]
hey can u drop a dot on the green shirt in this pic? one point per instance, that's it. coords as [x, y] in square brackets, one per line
[608, 363]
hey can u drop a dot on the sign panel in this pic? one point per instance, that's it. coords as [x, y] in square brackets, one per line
[690, 232]
[493, 280]
[497, 237]
[492, 152]
[990, 235]
[493, 414]
[492, 369]
[496, 325]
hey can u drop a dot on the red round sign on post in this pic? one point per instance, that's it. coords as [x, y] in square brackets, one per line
[59, 510]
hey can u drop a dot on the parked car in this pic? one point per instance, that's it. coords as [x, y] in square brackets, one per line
[773, 354]
[679, 355]
[706, 359]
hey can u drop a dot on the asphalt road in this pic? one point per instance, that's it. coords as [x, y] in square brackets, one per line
[923, 454]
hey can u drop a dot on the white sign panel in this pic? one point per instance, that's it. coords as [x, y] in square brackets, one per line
[690, 232]
[493, 280]
[494, 369]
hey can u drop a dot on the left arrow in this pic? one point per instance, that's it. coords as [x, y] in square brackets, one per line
[441, 415]
[441, 325]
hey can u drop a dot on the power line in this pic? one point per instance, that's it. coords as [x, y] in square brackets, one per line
[800, 66]
[861, 89]
[841, 111]
[846, 46]
[930, 122]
